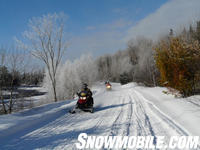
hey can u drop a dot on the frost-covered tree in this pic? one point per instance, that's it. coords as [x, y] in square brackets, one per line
[86, 69]
[110, 67]
[72, 74]
[104, 64]
[68, 80]
[144, 69]
[46, 41]
[120, 64]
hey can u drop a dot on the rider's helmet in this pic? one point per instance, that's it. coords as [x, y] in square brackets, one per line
[85, 85]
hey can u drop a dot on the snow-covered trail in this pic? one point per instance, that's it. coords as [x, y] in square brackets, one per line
[122, 111]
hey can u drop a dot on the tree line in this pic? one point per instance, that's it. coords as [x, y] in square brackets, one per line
[172, 61]
[140, 62]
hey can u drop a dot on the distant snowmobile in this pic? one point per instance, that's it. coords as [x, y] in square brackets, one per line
[108, 85]
[85, 101]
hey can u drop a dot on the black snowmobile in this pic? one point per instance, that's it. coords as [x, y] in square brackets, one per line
[84, 103]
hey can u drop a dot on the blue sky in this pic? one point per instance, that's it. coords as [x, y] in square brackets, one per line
[93, 26]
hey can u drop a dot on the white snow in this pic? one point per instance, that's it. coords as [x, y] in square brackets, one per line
[184, 111]
[125, 110]
[8, 92]
[37, 88]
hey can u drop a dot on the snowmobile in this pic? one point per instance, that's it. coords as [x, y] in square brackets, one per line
[108, 86]
[83, 104]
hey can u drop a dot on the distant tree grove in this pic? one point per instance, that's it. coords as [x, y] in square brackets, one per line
[173, 61]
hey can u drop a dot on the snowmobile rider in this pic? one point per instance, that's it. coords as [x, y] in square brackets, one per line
[88, 93]
[107, 82]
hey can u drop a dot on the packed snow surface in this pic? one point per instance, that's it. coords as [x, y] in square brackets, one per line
[125, 110]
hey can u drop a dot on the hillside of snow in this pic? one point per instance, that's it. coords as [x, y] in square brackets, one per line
[125, 110]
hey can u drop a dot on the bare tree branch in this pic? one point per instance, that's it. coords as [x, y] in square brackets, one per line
[46, 43]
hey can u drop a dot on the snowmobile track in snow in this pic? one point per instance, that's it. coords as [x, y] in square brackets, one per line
[156, 112]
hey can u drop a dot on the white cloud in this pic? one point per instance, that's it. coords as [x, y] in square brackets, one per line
[175, 14]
